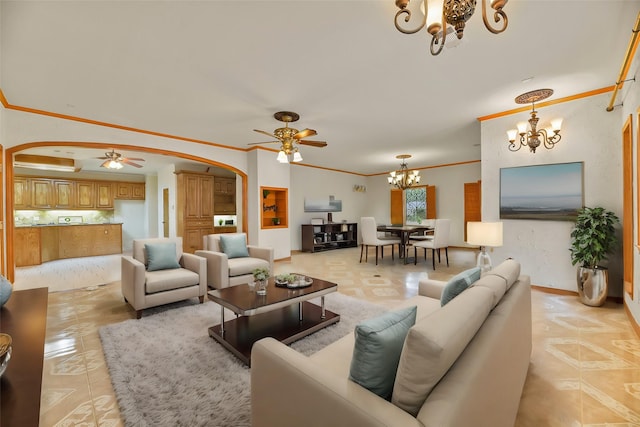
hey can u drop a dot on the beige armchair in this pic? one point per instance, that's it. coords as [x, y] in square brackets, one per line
[155, 276]
[224, 270]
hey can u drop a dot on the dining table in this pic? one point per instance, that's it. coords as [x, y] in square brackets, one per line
[404, 232]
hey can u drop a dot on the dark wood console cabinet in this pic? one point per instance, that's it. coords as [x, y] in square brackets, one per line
[333, 235]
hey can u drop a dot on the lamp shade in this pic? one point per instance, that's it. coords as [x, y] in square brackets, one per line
[484, 233]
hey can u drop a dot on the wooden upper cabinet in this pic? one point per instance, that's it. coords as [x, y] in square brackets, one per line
[137, 190]
[104, 195]
[41, 193]
[21, 193]
[63, 194]
[57, 193]
[225, 185]
[129, 190]
[85, 195]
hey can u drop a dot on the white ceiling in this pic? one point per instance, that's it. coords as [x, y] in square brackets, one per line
[216, 70]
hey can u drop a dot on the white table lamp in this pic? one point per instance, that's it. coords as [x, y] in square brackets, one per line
[484, 234]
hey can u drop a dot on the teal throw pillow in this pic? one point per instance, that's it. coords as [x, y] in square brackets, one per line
[161, 256]
[377, 350]
[459, 283]
[234, 245]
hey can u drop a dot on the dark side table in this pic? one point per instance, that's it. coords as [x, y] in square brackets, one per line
[24, 317]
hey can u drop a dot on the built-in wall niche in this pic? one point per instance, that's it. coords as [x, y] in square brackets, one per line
[274, 213]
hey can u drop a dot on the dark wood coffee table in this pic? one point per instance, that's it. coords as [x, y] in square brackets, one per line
[284, 314]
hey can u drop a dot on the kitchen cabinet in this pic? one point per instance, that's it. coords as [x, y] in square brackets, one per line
[21, 193]
[63, 194]
[224, 196]
[104, 195]
[85, 195]
[27, 246]
[195, 196]
[55, 193]
[34, 245]
[130, 190]
[41, 193]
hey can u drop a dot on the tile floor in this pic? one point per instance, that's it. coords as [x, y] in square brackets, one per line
[585, 365]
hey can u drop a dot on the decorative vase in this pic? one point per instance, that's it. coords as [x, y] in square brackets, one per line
[593, 285]
[261, 287]
[5, 290]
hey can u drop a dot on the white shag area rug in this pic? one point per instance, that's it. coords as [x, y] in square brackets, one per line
[167, 371]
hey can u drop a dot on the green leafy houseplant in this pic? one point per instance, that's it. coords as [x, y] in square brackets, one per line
[261, 274]
[593, 236]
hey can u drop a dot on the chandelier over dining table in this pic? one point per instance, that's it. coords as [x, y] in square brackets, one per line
[402, 178]
[443, 17]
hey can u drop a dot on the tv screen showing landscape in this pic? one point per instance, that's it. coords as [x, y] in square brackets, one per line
[550, 192]
[326, 205]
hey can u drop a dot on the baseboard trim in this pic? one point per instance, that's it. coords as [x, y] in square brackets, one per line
[617, 300]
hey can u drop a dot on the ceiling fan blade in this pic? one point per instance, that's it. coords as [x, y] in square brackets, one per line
[134, 158]
[305, 133]
[265, 142]
[102, 158]
[313, 143]
[265, 133]
[127, 162]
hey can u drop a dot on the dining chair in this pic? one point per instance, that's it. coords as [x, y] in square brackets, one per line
[369, 231]
[426, 234]
[440, 241]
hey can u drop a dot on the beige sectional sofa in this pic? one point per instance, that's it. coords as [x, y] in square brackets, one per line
[462, 364]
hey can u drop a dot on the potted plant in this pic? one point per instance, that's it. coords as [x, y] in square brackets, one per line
[275, 221]
[261, 275]
[592, 239]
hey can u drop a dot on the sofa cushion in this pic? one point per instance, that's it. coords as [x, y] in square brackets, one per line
[166, 280]
[246, 265]
[509, 270]
[434, 344]
[234, 245]
[496, 284]
[378, 343]
[459, 283]
[161, 256]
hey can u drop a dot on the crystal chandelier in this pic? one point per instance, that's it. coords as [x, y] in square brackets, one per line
[442, 17]
[403, 179]
[533, 137]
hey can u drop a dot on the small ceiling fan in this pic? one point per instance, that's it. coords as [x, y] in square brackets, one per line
[113, 160]
[290, 138]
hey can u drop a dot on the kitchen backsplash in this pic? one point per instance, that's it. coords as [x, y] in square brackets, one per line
[52, 217]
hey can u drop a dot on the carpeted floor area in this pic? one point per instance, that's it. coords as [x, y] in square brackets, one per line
[167, 371]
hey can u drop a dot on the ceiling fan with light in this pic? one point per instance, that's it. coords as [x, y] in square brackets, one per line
[290, 138]
[113, 160]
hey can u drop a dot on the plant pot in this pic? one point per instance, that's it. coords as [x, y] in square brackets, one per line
[261, 287]
[593, 285]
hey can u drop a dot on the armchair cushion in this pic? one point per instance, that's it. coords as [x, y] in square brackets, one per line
[242, 266]
[234, 245]
[166, 280]
[161, 256]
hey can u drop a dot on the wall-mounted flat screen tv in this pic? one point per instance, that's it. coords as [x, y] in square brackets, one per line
[551, 192]
[325, 205]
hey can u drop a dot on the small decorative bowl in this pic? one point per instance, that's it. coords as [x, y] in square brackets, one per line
[5, 352]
